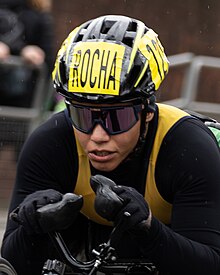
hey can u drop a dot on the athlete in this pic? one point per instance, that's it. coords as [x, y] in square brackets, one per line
[162, 162]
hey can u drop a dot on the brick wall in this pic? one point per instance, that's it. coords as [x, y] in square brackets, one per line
[183, 26]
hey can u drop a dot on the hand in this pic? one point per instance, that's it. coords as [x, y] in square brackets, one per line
[135, 211]
[33, 54]
[107, 203]
[43, 211]
[120, 204]
[4, 51]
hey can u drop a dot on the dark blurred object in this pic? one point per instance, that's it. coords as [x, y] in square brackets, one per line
[26, 31]
[11, 30]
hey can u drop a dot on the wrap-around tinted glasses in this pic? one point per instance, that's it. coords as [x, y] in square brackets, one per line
[114, 120]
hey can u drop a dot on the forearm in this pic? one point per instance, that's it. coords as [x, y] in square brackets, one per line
[26, 253]
[176, 254]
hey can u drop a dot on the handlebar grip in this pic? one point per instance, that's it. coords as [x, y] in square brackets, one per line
[67, 199]
[107, 202]
[59, 215]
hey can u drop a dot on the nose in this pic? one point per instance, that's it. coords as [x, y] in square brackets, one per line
[99, 135]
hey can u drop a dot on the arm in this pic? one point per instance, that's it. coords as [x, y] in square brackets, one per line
[39, 32]
[40, 50]
[46, 41]
[188, 175]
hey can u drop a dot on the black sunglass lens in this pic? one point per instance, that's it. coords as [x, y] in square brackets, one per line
[114, 121]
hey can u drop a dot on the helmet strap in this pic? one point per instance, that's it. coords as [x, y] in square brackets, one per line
[149, 107]
[143, 133]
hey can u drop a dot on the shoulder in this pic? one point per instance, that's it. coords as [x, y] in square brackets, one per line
[184, 124]
[54, 136]
[50, 155]
[191, 130]
[189, 153]
[56, 126]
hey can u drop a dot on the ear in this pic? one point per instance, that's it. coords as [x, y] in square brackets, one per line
[149, 117]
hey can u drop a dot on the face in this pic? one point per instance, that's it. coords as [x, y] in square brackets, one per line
[105, 151]
[107, 133]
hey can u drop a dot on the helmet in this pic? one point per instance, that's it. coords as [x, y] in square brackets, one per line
[110, 59]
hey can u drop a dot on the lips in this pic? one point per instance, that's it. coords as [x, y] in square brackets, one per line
[100, 156]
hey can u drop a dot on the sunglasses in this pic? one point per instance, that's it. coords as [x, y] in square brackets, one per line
[114, 120]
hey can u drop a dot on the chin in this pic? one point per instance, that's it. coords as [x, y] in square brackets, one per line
[105, 167]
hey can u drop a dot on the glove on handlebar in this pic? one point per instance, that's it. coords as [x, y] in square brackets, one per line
[107, 203]
[26, 213]
[60, 215]
[135, 209]
[32, 216]
[120, 204]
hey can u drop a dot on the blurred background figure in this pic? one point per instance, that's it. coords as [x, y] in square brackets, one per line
[26, 30]
[26, 35]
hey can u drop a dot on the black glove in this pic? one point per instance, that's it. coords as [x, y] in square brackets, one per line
[107, 203]
[45, 211]
[135, 210]
[120, 204]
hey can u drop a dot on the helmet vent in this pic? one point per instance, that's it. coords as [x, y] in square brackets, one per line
[79, 38]
[132, 27]
[107, 26]
[130, 34]
[129, 38]
[124, 31]
[81, 33]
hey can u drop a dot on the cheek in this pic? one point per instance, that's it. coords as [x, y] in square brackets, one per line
[128, 140]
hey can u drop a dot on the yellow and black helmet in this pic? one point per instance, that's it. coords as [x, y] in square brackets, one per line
[110, 59]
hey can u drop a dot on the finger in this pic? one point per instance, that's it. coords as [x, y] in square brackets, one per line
[52, 197]
[118, 189]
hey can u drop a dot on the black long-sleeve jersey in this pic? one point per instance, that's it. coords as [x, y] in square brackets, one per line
[187, 175]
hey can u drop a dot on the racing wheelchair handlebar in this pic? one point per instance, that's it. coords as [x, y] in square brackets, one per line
[104, 260]
[104, 257]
